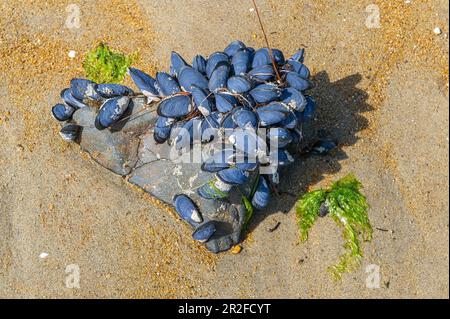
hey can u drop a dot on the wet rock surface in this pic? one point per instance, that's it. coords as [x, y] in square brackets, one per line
[160, 171]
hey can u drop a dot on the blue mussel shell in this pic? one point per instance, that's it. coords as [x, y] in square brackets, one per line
[84, 89]
[113, 90]
[175, 107]
[233, 176]
[261, 197]
[199, 63]
[62, 112]
[177, 63]
[204, 232]
[111, 111]
[166, 84]
[241, 62]
[239, 84]
[187, 210]
[144, 82]
[190, 77]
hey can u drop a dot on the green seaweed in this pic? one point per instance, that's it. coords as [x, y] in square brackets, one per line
[348, 208]
[249, 211]
[103, 65]
[307, 211]
[217, 193]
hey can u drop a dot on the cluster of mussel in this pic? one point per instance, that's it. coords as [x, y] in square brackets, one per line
[240, 89]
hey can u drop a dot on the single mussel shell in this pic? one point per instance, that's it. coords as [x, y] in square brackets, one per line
[176, 64]
[294, 99]
[162, 129]
[225, 102]
[111, 111]
[84, 89]
[70, 100]
[266, 93]
[189, 77]
[233, 176]
[298, 56]
[297, 82]
[241, 61]
[204, 232]
[176, 106]
[261, 197]
[62, 112]
[215, 190]
[269, 117]
[213, 62]
[234, 47]
[219, 77]
[298, 67]
[281, 136]
[262, 73]
[245, 118]
[113, 90]
[323, 147]
[144, 82]
[262, 57]
[166, 85]
[199, 63]
[70, 132]
[239, 84]
[161, 134]
[202, 101]
[187, 210]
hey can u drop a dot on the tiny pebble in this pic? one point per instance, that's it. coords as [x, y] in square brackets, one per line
[72, 54]
[437, 31]
[236, 249]
[43, 255]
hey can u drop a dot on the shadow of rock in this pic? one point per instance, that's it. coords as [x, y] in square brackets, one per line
[339, 116]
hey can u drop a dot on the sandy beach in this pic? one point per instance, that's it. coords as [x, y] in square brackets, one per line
[382, 91]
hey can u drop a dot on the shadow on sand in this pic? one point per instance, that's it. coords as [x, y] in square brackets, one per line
[339, 115]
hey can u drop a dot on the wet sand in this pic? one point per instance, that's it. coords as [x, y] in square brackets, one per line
[383, 92]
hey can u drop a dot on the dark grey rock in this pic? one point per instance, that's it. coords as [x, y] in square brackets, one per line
[115, 148]
[129, 149]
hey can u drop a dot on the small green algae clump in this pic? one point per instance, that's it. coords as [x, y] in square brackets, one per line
[348, 208]
[103, 65]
